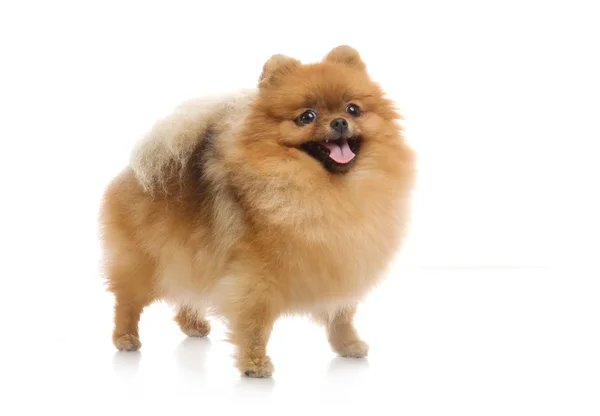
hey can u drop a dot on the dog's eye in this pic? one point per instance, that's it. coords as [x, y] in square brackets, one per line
[307, 117]
[353, 110]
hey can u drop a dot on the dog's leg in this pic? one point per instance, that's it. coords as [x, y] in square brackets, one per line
[341, 333]
[192, 322]
[129, 281]
[125, 334]
[250, 328]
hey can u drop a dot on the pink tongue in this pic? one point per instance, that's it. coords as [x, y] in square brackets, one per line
[341, 153]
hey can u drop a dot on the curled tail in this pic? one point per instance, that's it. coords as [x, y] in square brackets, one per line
[167, 148]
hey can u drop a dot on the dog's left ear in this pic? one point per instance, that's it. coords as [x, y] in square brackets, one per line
[346, 55]
[276, 66]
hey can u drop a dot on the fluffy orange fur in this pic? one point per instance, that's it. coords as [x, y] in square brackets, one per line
[220, 210]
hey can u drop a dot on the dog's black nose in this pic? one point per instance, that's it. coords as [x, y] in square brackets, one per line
[339, 125]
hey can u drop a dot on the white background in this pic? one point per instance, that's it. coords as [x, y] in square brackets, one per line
[492, 308]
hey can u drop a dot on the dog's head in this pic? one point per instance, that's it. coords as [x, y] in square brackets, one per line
[320, 115]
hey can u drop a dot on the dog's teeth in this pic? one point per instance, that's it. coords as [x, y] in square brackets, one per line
[327, 141]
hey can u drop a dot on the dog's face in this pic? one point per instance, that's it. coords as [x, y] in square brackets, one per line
[321, 115]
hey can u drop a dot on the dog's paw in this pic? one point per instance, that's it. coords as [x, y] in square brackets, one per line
[257, 367]
[200, 329]
[127, 342]
[356, 349]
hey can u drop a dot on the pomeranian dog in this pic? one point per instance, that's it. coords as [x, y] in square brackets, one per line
[290, 198]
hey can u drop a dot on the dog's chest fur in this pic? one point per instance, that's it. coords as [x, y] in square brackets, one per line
[336, 258]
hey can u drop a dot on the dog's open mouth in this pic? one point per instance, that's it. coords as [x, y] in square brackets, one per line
[337, 156]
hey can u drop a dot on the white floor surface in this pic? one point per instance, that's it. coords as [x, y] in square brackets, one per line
[463, 341]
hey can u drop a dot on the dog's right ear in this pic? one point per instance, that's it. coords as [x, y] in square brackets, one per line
[276, 66]
[346, 55]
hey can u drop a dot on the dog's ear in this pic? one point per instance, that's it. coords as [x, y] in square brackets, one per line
[346, 55]
[275, 66]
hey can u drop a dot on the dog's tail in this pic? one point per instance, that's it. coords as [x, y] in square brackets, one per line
[167, 148]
